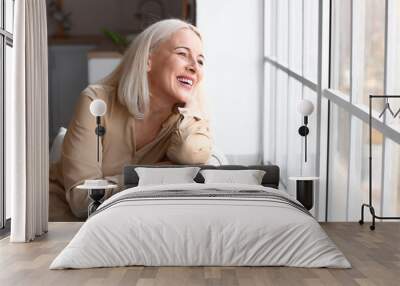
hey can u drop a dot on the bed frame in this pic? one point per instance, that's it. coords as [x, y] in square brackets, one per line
[270, 179]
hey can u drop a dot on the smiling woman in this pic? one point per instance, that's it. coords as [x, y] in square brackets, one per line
[155, 114]
[175, 67]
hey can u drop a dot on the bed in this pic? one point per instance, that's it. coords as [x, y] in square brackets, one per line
[201, 224]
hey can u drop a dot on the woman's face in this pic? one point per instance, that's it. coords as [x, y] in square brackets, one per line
[175, 67]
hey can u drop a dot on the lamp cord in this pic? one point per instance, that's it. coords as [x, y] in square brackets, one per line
[305, 151]
[98, 140]
[98, 122]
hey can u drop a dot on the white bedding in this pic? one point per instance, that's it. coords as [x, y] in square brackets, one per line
[182, 231]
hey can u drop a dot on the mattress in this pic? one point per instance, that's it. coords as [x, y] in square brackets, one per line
[201, 225]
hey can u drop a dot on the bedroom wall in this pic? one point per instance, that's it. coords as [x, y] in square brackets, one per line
[232, 31]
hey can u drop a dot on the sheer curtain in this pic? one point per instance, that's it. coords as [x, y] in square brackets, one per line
[27, 124]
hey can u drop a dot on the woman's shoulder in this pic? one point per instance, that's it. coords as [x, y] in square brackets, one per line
[99, 91]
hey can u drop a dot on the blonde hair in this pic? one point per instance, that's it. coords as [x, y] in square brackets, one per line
[130, 76]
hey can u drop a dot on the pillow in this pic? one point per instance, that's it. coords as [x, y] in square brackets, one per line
[159, 176]
[55, 150]
[248, 177]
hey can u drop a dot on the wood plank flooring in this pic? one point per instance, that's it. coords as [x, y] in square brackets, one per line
[375, 257]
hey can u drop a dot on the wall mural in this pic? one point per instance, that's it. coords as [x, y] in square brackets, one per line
[125, 88]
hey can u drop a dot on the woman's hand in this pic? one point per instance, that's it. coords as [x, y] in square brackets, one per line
[196, 104]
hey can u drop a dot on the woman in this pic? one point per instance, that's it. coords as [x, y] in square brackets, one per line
[154, 114]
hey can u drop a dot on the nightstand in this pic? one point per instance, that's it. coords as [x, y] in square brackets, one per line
[305, 190]
[96, 194]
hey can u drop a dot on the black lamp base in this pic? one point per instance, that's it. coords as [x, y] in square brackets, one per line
[305, 193]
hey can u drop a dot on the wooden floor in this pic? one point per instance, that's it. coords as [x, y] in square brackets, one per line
[374, 255]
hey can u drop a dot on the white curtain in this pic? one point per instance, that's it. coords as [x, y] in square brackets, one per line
[27, 153]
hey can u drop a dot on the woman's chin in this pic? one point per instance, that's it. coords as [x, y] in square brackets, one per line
[182, 98]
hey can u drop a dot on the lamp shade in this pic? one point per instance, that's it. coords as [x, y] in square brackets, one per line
[98, 107]
[305, 107]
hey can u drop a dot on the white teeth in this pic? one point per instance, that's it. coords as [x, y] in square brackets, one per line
[188, 81]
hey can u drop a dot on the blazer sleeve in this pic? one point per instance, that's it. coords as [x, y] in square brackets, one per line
[191, 141]
[79, 154]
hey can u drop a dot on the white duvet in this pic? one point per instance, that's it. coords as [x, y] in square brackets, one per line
[183, 231]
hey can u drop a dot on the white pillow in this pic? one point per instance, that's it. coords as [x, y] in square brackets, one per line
[160, 176]
[248, 177]
[55, 150]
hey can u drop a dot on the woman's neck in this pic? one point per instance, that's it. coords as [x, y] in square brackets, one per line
[159, 110]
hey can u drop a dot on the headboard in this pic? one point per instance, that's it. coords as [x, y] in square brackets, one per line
[270, 179]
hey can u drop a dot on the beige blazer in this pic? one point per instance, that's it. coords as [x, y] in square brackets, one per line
[184, 139]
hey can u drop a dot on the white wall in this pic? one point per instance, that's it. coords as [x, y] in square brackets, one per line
[232, 31]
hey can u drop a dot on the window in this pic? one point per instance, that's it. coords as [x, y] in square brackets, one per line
[393, 60]
[295, 36]
[282, 32]
[281, 119]
[358, 56]
[368, 50]
[341, 45]
[294, 153]
[290, 71]
[335, 53]
[6, 44]
[391, 198]
[339, 163]
[310, 40]
[358, 188]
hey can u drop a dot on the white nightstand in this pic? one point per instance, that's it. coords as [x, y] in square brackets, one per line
[305, 190]
[96, 193]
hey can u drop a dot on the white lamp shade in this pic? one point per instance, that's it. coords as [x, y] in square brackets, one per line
[98, 107]
[305, 107]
